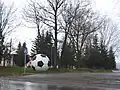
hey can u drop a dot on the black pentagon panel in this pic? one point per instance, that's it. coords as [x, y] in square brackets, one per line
[40, 63]
[49, 63]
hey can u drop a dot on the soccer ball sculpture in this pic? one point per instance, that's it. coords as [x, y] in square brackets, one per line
[40, 62]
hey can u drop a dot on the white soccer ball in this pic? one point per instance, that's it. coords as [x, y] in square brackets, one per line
[40, 62]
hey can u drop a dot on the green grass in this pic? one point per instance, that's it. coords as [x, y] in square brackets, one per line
[13, 71]
[78, 70]
[17, 71]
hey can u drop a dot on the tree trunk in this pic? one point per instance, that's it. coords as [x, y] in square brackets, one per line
[55, 60]
[4, 61]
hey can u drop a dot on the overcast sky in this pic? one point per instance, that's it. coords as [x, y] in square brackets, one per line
[24, 34]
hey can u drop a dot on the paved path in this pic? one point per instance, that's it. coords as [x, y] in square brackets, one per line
[94, 80]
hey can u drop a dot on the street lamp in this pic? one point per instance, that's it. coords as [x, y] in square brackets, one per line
[25, 54]
[51, 57]
[51, 54]
[51, 46]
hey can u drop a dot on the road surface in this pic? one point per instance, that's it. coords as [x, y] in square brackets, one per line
[73, 81]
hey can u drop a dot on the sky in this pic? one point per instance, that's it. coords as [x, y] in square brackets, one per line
[21, 33]
[108, 7]
[24, 34]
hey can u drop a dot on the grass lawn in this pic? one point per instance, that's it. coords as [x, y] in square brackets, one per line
[17, 71]
[79, 70]
[14, 71]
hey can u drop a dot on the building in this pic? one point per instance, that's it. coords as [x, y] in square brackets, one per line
[10, 61]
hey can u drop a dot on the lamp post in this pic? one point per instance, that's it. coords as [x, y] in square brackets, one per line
[51, 56]
[25, 54]
[51, 46]
[25, 61]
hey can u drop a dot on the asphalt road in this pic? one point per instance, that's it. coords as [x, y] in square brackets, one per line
[99, 81]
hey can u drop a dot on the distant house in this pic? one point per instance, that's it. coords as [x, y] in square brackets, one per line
[11, 61]
[7, 63]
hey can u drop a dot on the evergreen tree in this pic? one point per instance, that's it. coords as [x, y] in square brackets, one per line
[112, 63]
[43, 44]
[68, 57]
[36, 44]
[47, 44]
[86, 55]
[21, 55]
[104, 55]
[17, 60]
[99, 57]
[19, 47]
[94, 59]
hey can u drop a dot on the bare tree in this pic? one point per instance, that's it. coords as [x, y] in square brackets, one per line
[31, 14]
[84, 24]
[109, 35]
[49, 16]
[68, 16]
[7, 17]
[7, 52]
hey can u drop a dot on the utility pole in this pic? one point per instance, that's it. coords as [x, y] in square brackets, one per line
[25, 54]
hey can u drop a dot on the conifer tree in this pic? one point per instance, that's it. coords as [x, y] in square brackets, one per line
[36, 45]
[99, 57]
[68, 57]
[94, 60]
[43, 45]
[19, 47]
[112, 62]
[21, 55]
[104, 55]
